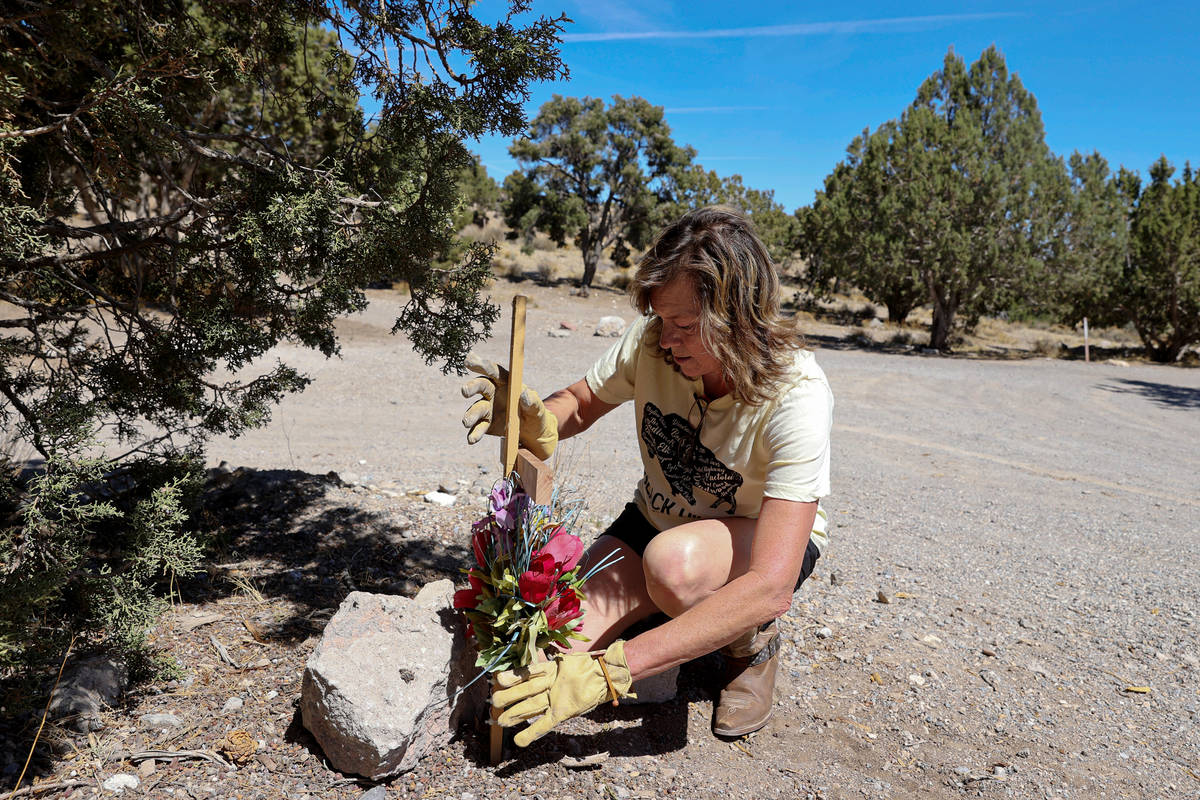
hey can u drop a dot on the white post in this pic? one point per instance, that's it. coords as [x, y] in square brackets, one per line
[1086, 354]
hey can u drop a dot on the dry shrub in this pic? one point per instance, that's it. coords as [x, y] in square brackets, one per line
[1047, 347]
[547, 271]
[492, 233]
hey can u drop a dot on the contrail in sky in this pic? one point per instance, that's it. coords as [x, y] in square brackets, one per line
[799, 29]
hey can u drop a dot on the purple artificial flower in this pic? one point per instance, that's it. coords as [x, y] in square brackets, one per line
[502, 504]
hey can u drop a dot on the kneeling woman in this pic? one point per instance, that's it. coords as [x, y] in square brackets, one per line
[733, 420]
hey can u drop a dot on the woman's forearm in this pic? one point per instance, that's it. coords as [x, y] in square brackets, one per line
[576, 408]
[745, 602]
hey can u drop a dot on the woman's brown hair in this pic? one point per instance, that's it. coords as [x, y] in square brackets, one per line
[737, 288]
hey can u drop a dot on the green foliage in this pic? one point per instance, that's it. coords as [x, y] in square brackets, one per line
[1089, 249]
[1128, 255]
[607, 175]
[86, 548]
[184, 186]
[778, 230]
[957, 198]
[1160, 287]
[480, 195]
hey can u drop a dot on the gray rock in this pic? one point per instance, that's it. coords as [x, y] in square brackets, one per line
[160, 721]
[824, 633]
[656, 689]
[381, 688]
[232, 704]
[91, 686]
[374, 793]
[120, 782]
[558, 333]
[611, 327]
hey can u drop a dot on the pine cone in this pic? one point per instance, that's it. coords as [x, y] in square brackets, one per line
[238, 746]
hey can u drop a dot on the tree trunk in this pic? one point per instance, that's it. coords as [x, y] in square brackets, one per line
[898, 311]
[591, 260]
[943, 323]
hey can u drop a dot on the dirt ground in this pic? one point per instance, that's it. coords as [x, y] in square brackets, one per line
[1007, 609]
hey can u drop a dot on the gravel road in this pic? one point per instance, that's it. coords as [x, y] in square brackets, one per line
[1033, 526]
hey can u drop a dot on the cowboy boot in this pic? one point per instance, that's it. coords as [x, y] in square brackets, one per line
[751, 662]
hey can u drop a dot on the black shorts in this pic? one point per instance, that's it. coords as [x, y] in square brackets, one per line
[635, 531]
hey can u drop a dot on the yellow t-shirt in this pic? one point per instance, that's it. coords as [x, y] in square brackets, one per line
[719, 459]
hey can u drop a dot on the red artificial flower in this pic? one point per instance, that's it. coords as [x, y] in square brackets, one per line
[469, 598]
[536, 584]
[563, 608]
[565, 548]
[481, 538]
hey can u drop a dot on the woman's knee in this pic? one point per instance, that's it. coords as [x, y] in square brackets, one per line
[681, 570]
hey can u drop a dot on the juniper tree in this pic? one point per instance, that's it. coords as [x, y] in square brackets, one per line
[606, 175]
[1159, 288]
[956, 196]
[185, 184]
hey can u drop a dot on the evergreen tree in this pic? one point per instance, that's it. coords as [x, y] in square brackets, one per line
[1160, 286]
[698, 187]
[184, 184]
[608, 176]
[1128, 255]
[956, 197]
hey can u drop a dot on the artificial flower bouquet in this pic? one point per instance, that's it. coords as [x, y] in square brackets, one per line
[525, 586]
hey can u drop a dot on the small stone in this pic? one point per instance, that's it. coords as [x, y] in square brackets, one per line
[989, 652]
[374, 793]
[439, 499]
[146, 768]
[1022, 754]
[1190, 660]
[824, 633]
[667, 773]
[232, 704]
[466, 796]
[349, 478]
[271, 695]
[880, 597]
[999, 772]
[611, 327]
[962, 772]
[916, 680]
[569, 326]
[160, 721]
[558, 333]
[833, 579]
[120, 782]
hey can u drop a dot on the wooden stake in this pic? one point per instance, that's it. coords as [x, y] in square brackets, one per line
[516, 375]
[1087, 356]
[508, 455]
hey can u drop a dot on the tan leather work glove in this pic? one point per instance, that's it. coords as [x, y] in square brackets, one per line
[539, 428]
[558, 690]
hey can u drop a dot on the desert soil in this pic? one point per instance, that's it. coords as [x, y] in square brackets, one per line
[1008, 607]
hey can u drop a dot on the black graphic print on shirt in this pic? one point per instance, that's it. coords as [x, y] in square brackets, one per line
[686, 463]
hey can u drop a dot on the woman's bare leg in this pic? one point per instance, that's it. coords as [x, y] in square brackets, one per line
[685, 564]
[616, 595]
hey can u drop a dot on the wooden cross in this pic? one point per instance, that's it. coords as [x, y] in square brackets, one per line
[535, 475]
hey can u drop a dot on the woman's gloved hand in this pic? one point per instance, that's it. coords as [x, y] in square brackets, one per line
[559, 689]
[539, 428]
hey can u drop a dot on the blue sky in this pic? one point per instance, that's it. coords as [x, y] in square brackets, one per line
[775, 91]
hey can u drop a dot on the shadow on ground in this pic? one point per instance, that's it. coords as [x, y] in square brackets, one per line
[1163, 395]
[285, 534]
